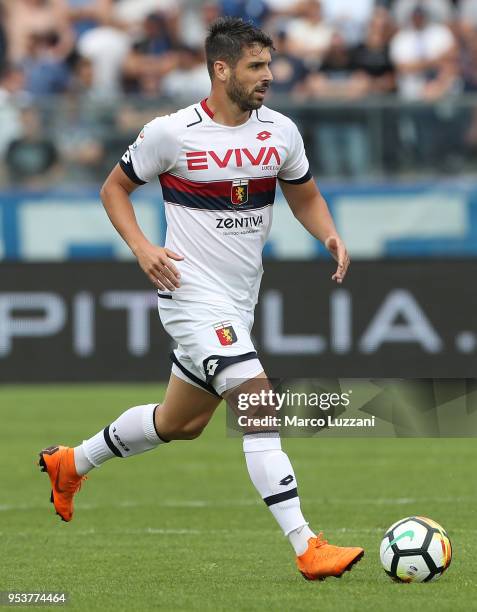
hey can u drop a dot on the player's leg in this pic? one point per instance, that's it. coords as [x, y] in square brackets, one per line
[268, 465]
[272, 474]
[185, 412]
[215, 342]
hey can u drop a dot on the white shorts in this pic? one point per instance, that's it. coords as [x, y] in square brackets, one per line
[210, 338]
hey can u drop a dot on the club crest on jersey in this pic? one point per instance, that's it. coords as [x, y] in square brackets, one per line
[239, 192]
[225, 333]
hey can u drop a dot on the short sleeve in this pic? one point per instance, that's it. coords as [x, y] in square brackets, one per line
[296, 168]
[155, 151]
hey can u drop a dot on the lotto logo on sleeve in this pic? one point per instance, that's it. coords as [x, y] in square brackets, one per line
[225, 333]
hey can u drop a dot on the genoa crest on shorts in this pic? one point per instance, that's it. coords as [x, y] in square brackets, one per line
[225, 333]
[239, 193]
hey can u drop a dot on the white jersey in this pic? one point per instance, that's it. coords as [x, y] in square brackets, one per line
[218, 184]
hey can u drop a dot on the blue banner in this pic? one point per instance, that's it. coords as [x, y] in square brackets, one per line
[376, 221]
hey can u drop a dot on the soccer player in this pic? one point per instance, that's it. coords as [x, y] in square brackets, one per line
[218, 162]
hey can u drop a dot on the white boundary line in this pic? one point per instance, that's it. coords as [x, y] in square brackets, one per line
[157, 531]
[202, 503]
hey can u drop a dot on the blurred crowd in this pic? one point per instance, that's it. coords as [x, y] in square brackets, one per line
[108, 51]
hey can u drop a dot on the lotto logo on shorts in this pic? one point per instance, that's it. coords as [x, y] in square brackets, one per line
[225, 333]
[239, 193]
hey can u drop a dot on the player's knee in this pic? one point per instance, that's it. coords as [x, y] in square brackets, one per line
[193, 428]
[183, 431]
[191, 432]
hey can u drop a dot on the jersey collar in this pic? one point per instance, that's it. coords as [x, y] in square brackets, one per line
[208, 111]
[206, 108]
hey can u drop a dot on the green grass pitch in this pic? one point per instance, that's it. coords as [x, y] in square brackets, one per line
[182, 528]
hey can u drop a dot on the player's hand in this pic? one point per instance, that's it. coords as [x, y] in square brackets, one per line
[336, 247]
[156, 263]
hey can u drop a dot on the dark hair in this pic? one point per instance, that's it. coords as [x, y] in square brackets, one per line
[228, 36]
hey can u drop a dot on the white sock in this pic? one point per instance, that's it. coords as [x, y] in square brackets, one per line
[298, 538]
[130, 434]
[82, 463]
[273, 476]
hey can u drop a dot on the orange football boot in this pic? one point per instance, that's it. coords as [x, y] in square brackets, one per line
[59, 463]
[321, 559]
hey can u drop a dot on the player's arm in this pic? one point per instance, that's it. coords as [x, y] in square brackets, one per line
[311, 210]
[155, 261]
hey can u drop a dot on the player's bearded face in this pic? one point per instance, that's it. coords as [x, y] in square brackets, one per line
[242, 96]
[250, 79]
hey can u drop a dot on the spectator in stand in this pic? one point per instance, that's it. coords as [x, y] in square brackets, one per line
[425, 57]
[189, 80]
[134, 12]
[356, 72]
[151, 57]
[106, 47]
[32, 159]
[467, 14]
[12, 95]
[82, 154]
[3, 41]
[88, 14]
[388, 23]
[282, 8]
[309, 35]
[156, 38]
[440, 11]
[376, 72]
[25, 18]
[469, 77]
[81, 129]
[339, 138]
[255, 11]
[289, 71]
[83, 95]
[46, 71]
[195, 20]
[279, 13]
[468, 59]
[82, 78]
[337, 77]
[371, 58]
[349, 17]
[465, 28]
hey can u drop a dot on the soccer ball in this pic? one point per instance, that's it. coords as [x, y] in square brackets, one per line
[415, 549]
